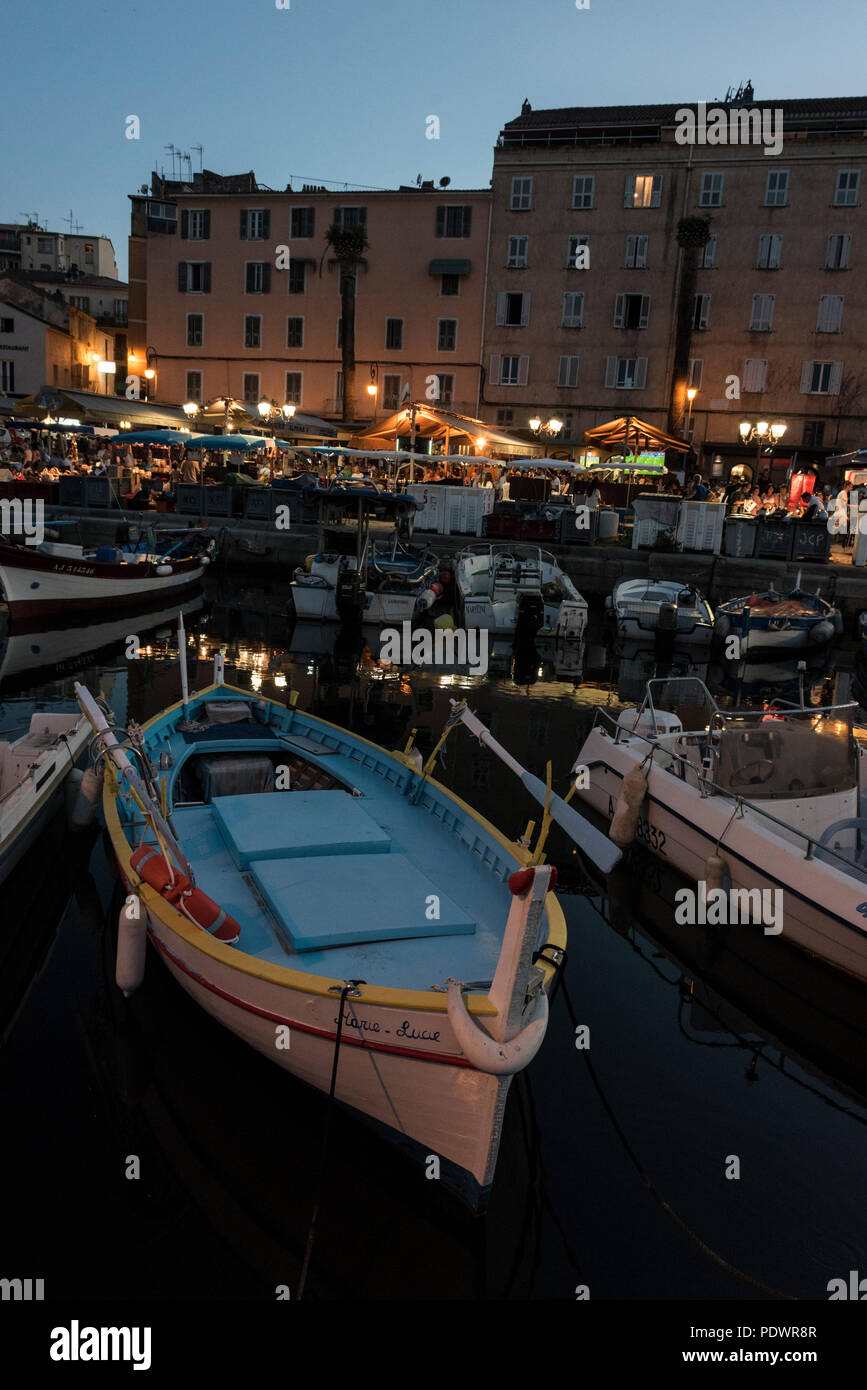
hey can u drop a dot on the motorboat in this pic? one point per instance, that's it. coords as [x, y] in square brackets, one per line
[340, 910]
[647, 609]
[33, 768]
[517, 588]
[778, 618]
[747, 801]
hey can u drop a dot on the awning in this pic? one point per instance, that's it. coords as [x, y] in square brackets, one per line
[307, 424]
[233, 443]
[629, 433]
[434, 423]
[450, 267]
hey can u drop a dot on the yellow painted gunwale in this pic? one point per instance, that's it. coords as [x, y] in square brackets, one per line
[381, 996]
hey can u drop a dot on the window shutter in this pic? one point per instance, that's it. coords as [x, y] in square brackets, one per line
[641, 252]
[806, 378]
[645, 311]
[561, 375]
[185, 224]
[243, 224]
[823, 316]
[611, 371]
[494, 369]
[206, 226]
[631, 244]
[338, 218]
[629, 191]
[206, 278]
[468, 220]
[525, 315]
[266, 223]
[836, 379]
[523, 368]
[619, 309]
[182, 276]
[755, 369]
[441, 222]
[266, 277]
[501, 309]
[775, 253]
[656, 194]
[640, 373]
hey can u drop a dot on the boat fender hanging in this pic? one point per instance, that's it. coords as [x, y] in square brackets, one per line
[87, 800]
[821, 632]
[426, 599]
[132, 930]
[483, 1051]
[716, 871]
[164, 569]
[71, 788]
[624, 822]
[722, 624]
[838, 622]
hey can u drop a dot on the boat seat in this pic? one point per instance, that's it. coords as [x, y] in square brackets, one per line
[388, 898]
[288, 825]
[481, 582]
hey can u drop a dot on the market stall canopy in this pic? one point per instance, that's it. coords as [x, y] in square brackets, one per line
[557, 465]
[433, 423]
[232, 443]
[305, 424]
[89, 407]
[154, 437]
[629, 433]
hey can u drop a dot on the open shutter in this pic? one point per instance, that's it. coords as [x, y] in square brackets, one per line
[640, 373]
[645, 311]
[441, 222]
[494, 369]
[266, 224]
[468, 220]
[523, 369]
[243, 224]
[182, 276]
[501, 308]
[619, 310]
[206, 277]
[266, 277]
[836, 379]
[338, 218]
[806, 378]
[631, 251]
[611, 371]
[185, 224]
[206, 226]
[824, 315]
[525, 309]
[775, 252]
[656, 191]
[641, 253]
[629, 191]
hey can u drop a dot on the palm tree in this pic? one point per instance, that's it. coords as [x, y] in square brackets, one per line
[348, 245]
[692, 234]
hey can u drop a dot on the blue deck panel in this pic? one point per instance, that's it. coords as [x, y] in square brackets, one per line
[287, 824]
[345, 900]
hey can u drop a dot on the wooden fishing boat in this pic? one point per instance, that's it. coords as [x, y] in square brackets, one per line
[33, 769]
[775, 619]
[361, 926]
[53, 578]
[517, 588]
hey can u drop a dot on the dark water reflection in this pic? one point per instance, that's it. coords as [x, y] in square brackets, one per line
[702, 1046]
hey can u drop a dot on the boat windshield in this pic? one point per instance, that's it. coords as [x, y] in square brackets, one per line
[687, 697]
[793, 754]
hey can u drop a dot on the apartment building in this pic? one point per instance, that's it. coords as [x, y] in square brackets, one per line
[585, 271]
[47, 342]
[233, 291]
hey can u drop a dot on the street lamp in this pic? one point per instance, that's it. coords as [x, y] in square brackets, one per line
[289, 410]
[190, 408]
[690, 396]
[547, 431]
[763, 434]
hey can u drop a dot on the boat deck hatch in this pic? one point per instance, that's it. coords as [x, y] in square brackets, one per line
[264, 826]
[350, 899]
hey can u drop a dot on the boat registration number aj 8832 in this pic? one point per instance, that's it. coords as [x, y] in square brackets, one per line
[645, 833]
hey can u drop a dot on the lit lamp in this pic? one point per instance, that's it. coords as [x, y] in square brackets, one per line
[289, 411]
[549, 430]
[190, 408]
[763, 434]
[149, 373]
[371, 390]
[264, 408]
[690, 396]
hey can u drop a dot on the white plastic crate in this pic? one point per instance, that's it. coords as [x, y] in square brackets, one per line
[700, 526]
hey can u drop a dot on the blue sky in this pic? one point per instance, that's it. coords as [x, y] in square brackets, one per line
[340, 89]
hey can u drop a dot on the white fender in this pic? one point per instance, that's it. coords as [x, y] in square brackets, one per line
[485, 1053]
[132, 930]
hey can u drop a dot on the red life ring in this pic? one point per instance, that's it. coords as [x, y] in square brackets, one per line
[150, 864]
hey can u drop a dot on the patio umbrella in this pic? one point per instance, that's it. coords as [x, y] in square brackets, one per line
[233, 443]
[153, 437]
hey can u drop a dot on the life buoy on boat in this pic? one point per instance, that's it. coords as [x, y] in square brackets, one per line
[485, 1053]
[151, 865]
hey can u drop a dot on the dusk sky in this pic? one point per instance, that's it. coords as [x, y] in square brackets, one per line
[340, 89]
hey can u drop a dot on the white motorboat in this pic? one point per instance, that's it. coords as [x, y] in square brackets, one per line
[645, 609]
[32, 771]
[744, 801]
[512, 588]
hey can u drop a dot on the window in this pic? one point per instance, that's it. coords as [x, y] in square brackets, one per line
[120, 310]
[517, 255]
[194, 277]
[837, 251]
[446, 383]
[7, 377]
[700, 312]
[513, 310]
[196, 224]
[643, 191]
[255, 224]
[583, 190]
[390, 392]
[252, 330]
[821, 378]
[251, 388]
[631, 310]
[292, 391]
[394, 334]
[302, 222]
[162, 217]
[454, 220]
[257, 277]
[509, 371]
[814, 434]
[350, 218]
[769, 252]
[505, 415]
[45, 244]
[636, 252]
[297, 278]
[574, 259]
[80, 301]
[755, 374]
[693, 376]
[7, 325]
[626, 373]
[450, 284]
[88, 252]
[447, 335]
[762, 313]
[711, 194]
[521, 196]
[573, 310]
[194, 386]
[777, 188]
[567, 376]
[195, 330]
[707, 254]
[846, 191]
[830, 317]
[338, 387]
